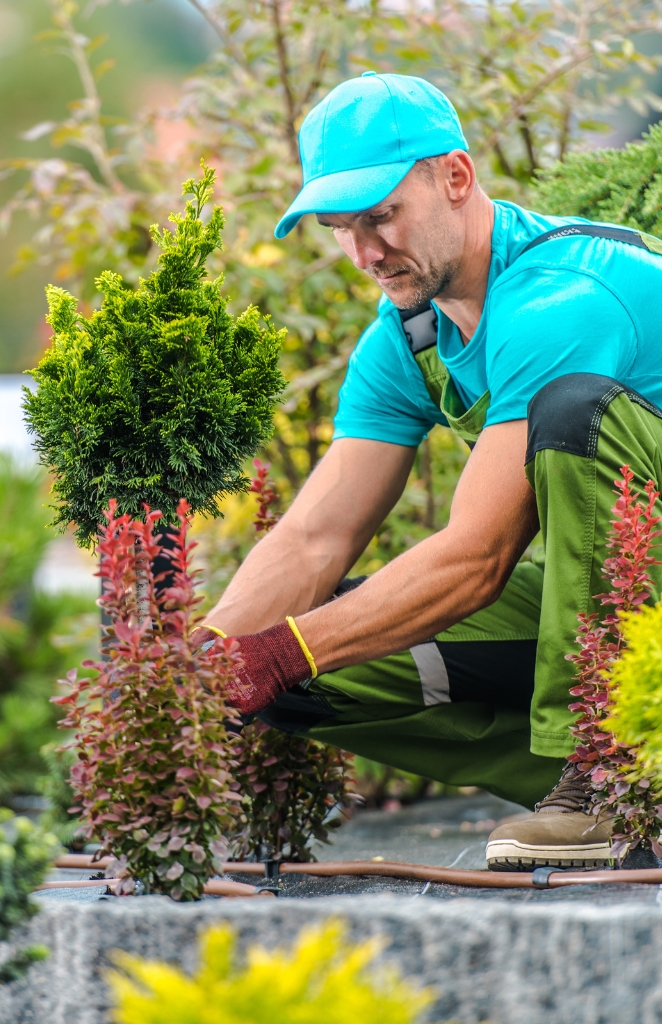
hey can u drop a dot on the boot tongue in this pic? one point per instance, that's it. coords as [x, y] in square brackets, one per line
[570, 795]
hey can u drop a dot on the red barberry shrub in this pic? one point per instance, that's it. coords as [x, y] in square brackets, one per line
[290, 785]
[153, 780]
[621, 786]
[294, 791]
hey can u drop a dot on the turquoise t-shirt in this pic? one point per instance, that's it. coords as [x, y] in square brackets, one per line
[574, 304]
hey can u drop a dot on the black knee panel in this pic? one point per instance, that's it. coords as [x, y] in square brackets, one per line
[566, 413]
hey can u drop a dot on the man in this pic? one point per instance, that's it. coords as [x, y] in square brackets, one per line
[546, 357]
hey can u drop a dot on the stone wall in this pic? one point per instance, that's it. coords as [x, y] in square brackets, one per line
[497, 961]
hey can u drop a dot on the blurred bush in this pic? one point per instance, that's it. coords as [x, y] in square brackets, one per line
[40, 633]
[26, 853]
[57, 789]
[322, 981]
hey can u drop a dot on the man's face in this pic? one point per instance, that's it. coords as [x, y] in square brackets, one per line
[410, 243]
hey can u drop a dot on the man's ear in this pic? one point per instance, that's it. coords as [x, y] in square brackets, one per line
[459, 177]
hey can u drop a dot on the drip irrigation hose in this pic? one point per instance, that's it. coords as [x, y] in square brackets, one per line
[214, 887]
[540, 878]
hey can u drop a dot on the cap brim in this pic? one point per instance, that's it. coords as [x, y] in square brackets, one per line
[344, 192]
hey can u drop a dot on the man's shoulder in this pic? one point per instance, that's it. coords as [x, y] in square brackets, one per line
[603, 258]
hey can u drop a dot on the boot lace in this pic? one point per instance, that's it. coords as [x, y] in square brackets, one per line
[571, 793]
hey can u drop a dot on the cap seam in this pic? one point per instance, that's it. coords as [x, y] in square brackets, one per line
[326, 111]
[395, 118]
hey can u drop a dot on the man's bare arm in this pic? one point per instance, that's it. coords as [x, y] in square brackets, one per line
[448, 576]
[298, 565]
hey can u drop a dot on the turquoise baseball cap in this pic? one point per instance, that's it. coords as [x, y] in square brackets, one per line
[358, 143]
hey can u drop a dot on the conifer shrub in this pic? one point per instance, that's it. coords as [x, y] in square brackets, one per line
[621, 186]
[153, 779]
[322, 981]
[622, 776]
[159, 394]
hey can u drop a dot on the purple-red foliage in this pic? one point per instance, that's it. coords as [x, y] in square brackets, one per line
[263, 486]
[290, 784]
[153, 780]
[620, 786]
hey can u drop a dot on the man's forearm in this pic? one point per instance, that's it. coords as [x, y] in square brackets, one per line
[437, 583]
[422, 592]
[281, 576]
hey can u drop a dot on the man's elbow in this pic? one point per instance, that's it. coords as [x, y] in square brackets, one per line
[491, 572]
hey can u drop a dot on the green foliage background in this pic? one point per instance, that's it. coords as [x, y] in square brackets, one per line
[25, 854]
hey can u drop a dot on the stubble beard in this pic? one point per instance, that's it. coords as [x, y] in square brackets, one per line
[415, 290]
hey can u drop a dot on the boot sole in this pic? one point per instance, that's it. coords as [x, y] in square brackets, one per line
[509, 855]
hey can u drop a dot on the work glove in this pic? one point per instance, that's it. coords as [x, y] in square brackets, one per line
[272, 662]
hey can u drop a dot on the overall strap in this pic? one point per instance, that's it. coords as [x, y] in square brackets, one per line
[420, 328]
[628, 235]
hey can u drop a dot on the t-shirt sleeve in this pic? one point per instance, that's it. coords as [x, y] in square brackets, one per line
[544, 323]
[384, 397]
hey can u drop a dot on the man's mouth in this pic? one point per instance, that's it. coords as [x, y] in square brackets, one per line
[389, 278]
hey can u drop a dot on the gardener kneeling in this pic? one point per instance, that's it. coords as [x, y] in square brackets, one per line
[537, 340]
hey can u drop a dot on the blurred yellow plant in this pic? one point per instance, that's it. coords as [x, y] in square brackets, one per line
[636, 687]
[322, 981]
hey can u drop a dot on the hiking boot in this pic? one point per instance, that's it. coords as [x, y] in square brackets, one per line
[561, 833]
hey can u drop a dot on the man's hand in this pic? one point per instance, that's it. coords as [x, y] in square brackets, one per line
[445, 578]
[271, 662]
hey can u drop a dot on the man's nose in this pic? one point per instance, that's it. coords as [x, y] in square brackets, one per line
[364, 251]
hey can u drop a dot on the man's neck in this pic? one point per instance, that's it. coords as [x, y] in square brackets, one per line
[463, 300]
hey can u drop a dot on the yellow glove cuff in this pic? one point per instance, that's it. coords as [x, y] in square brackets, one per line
[219, 632]
[303, 645]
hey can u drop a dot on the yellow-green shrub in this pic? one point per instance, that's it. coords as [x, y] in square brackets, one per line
[322, 981]
[636, 687]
